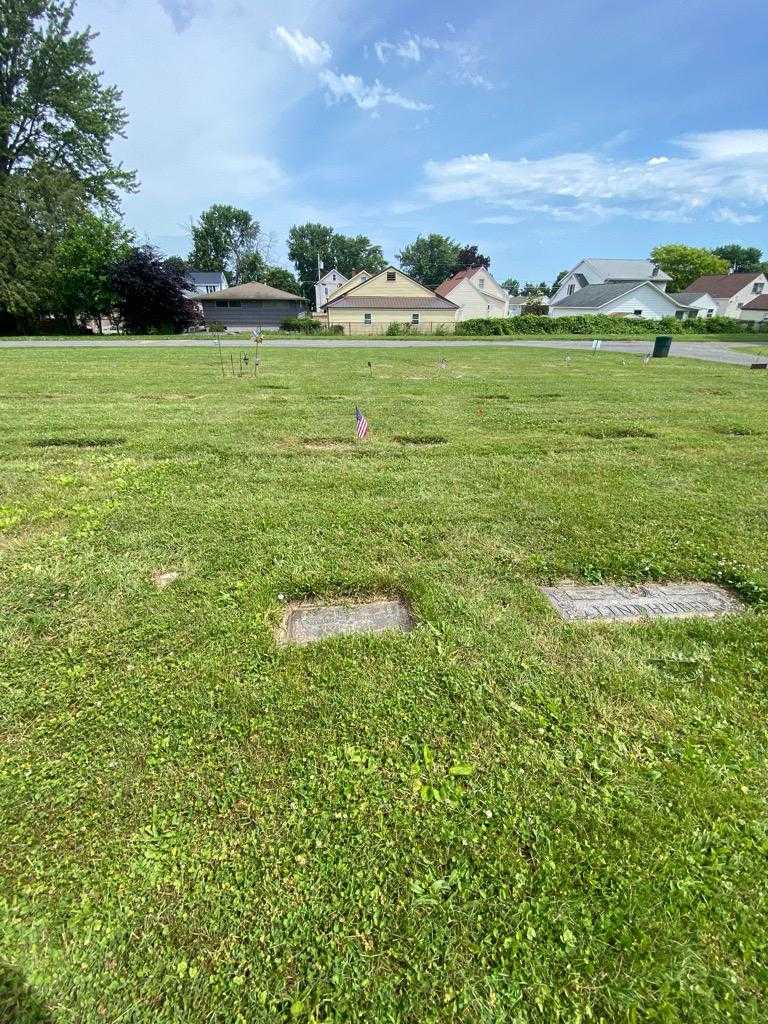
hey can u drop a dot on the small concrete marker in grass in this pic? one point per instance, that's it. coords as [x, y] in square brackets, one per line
[306, 623]
[648, 601]
[164, 579]
[759, 366]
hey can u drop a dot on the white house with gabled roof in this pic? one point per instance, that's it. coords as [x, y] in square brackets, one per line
[594, 271]
[328, 283]
[476, 292]
[635, 299]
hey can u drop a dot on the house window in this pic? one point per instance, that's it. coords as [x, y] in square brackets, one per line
[571, 289]
[391, 275]
[333, 277]
[710, 312]
[757, 289]
[680, 314]
[414, 318]
[481, 283]
[638, 312]
[367, 318]
[210, 288]
[220, 302]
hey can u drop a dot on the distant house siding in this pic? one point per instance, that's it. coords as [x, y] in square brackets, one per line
[652, 304]
[251, 314]
[472, 304]
[353, 320]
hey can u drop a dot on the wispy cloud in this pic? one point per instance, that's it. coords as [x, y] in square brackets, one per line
[305, 49]
[727, 145]
[412, 48]
[462, 61]
[467, 62]
[365, 96]
[722, 176]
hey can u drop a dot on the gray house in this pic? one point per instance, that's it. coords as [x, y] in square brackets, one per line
[246, 306]
[206, 281]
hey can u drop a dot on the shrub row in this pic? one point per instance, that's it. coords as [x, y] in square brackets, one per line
[595, 325]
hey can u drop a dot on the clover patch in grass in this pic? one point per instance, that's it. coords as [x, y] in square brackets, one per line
[76, 442]
[308, 621]
[736, 430]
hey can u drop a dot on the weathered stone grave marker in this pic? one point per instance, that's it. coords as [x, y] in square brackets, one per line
[305, 623]
[648, 601]
[164, 579]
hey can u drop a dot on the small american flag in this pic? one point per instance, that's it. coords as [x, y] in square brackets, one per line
[361, 424]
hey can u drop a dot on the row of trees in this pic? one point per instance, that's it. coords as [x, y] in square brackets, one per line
[686, 263]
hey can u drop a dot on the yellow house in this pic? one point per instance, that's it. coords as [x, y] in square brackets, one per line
[370, 306]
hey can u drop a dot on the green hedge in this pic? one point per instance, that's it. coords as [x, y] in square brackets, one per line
[302, 325]
[595, 325]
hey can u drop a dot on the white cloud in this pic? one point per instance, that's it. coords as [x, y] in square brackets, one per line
[410, 48]
[367, 97]
[462, 61]
[727, 145]
[305, 49]
[725, 215]
[723, 176]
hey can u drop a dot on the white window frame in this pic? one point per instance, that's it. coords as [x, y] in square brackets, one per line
[637, 312]
[391, 276]
[415, 319]
[571, 289]
[367, 319]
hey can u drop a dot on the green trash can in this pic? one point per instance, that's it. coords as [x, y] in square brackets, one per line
[661, 347]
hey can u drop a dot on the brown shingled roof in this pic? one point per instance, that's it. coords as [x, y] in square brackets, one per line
[722, 286]
[447, 286]
[253, 290]
[759, 302]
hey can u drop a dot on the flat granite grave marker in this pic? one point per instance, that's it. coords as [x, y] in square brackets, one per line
[305, 623]
[649, 601]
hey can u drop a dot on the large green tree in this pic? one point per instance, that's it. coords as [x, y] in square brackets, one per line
[54, 110]
[57, 123]
[312, 246]
[79, 284]
[430, 259]
[226, 238]
[512, 285]
[742, 259]
[279, 277]
[684, 263]
[36, 207]
[469, 257]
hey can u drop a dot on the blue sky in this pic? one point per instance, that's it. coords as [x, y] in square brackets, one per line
[542, 133]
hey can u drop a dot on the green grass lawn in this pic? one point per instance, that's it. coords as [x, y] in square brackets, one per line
[496, 818]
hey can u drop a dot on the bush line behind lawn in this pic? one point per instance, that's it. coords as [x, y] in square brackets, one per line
[596, 326]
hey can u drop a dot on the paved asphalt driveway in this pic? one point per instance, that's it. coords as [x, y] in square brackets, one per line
[711, 351]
